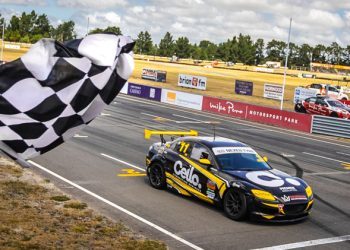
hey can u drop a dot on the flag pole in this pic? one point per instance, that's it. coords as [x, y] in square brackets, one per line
[285, 64]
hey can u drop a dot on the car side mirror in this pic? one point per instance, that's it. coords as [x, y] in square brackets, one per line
[205, 162]
[265, 159]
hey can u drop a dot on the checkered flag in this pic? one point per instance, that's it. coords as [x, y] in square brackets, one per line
[55, 90]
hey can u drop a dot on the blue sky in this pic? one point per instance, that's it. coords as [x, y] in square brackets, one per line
[314, 21]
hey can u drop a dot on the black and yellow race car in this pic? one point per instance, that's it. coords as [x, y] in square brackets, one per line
[228, 173]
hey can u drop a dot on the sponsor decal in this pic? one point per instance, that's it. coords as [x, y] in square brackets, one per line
[210, 194]
[187, 174]
[280, 208]
[211, 185]
[288, 189]
[265, 179]
[285, 198]
[298, 197]
[233, 150]
[293, 181]
[303, 93]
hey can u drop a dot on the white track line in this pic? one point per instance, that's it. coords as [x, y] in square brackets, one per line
[233, 120]
[124, 162]
[135, 216]
[341, 153]
[327, 173]
[323, 157]
[308, 243]
[189, 118]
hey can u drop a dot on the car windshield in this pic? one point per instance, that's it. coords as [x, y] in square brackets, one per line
[239, 158]
[336, 104]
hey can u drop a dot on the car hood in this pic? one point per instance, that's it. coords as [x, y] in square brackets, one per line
[274, 181]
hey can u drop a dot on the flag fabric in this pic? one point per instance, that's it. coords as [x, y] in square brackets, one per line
[55, 90]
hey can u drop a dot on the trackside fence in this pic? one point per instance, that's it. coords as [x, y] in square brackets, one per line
[284, 119]
[331, 126]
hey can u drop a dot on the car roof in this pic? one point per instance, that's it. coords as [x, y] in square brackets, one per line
[217, 141]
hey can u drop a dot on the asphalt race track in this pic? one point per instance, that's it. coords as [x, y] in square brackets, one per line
[107, 160]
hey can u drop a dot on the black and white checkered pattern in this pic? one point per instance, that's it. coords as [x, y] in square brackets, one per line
[54, 90]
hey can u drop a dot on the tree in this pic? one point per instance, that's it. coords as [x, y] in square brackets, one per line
[259, 51]
[182, 47]
[305, 54]
[64, 31]
[246, 50]
[110, 29]
[144, 44]
[319, 54]
[207, 50]
[335, 53]
[166, 45]
[275, 50]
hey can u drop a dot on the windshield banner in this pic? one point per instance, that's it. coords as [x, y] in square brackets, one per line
[233, 150]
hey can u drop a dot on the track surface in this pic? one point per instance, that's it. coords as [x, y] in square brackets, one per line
[119, 133]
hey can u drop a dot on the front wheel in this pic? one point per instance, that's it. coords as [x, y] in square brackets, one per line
[156, 176]
[235, 204]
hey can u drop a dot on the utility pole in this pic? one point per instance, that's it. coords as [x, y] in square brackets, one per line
[3, 41]
[286, 63]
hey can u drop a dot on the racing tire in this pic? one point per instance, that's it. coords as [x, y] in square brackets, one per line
[334, 115]
[156, 176]
[344, 99]
[299, 108]
[235, 204]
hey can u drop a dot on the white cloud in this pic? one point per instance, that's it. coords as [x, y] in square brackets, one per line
[24, 2]
[93, 4]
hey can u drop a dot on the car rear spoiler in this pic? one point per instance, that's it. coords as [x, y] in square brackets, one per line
[149, 133]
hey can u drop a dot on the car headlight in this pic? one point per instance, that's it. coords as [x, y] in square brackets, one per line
[308, 191]
[263, 195]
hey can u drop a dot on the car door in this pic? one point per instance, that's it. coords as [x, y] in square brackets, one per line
[310, 105]
[322, 107]
[333, 92]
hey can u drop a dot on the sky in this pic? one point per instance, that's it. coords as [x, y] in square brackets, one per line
[314, 21]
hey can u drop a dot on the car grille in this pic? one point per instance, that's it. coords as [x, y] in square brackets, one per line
[294, 208]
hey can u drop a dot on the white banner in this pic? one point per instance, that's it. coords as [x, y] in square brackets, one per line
[194, 82]
[12, 46]
[273, 91]
[182, 99]
[303, 93]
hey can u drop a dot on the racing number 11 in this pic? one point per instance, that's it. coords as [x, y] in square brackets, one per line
[183, 147]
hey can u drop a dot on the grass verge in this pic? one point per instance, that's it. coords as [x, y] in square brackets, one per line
[36, 215]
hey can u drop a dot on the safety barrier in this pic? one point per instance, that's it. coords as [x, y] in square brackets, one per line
[331, 126]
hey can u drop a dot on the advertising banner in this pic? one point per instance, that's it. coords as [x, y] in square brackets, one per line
[182, 99]
[154, 75]
[273, 91]
[301, 94]
[194, 82]
[143, 91]
[275, 117]
[280, 118]
[243, 88]
[226, 107]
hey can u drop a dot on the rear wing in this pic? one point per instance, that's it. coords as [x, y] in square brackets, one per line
[149, 133]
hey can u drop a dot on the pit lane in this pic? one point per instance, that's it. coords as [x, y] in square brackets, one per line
[118, 133]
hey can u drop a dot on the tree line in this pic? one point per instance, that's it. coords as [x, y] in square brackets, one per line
[31, 27]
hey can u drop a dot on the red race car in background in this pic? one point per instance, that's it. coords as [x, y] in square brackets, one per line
[323, 106]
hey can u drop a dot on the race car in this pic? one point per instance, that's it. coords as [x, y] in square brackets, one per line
[323, 106]
[227, 173]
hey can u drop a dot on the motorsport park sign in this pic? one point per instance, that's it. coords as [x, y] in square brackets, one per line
[194, 82]
[273, 91]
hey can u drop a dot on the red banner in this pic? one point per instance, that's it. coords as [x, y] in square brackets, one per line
[280, 118]
[276, 117]
[225, 107]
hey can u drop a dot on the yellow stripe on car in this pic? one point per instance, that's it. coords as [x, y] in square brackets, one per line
[219, 183]
[177, 187]
[189, 188]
